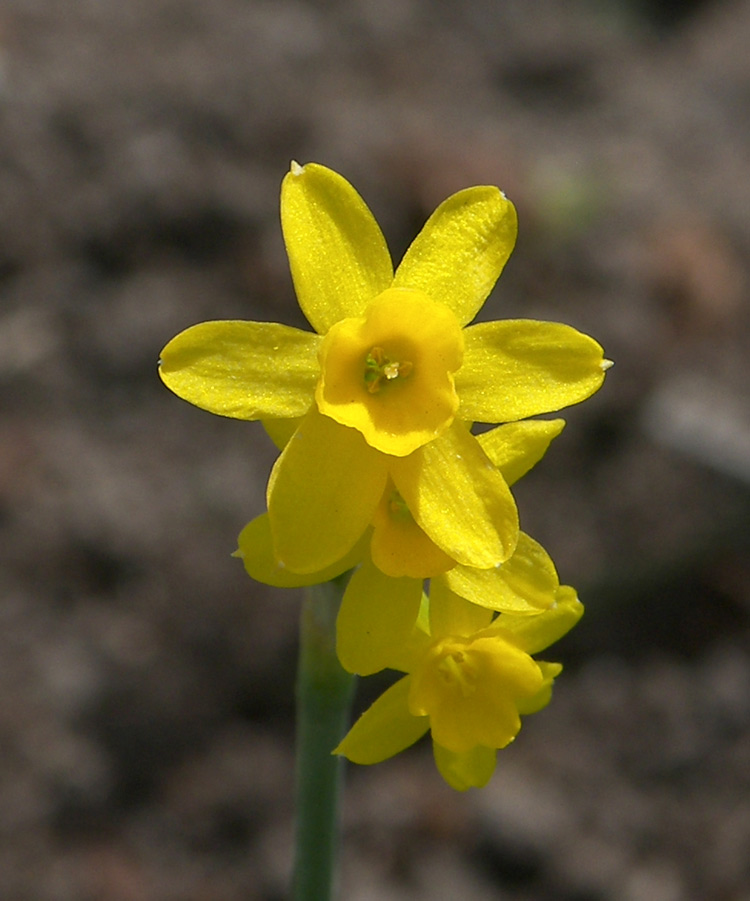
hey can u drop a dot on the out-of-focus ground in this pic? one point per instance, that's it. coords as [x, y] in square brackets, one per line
[146, 685]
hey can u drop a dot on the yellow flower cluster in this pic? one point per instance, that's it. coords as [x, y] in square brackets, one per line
[380, 473]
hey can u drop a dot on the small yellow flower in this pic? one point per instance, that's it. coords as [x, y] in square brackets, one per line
[468, 681]
[382, 388]
[382, 600]
[401, 547]
[470, 686]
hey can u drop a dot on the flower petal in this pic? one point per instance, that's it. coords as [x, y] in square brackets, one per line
[376, 618]
[322, 493]
[465, 769]
[280, 431]
[462, 249]
[246, 370]
[255, 548]
[337, 253]
[459, 498]
[385, 728]
[399, 546]
[520, 367]
[451, 614]
[550, 671]
[525, 584]
[408, 656]
[517, 447]
[535, 633]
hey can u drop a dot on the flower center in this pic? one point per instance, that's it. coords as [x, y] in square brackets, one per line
[380, 369]
[389, 372]
[398, 509]
[454, 672]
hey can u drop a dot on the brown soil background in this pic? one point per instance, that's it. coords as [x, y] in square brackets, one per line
[146, 685]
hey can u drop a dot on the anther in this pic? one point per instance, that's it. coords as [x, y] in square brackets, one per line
[378, 367]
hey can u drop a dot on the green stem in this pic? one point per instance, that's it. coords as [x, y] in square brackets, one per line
[324, 696]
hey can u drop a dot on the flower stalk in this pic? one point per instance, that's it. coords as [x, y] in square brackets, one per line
[324, 695]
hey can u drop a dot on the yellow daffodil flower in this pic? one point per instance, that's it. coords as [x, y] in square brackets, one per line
[382, 600]
[469, 679]
[382, 387]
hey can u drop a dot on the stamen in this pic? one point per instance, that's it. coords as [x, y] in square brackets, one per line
[379, 368]
[453, 672]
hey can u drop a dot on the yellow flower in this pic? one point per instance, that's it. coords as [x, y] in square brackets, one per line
[382, 600]
[400, 547]
[469, 679]
[383, 386]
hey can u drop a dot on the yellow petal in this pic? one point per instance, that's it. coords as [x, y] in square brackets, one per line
[337, 253]
[385, 728]
[451, 614]
[462, 249]
[459, 498]
[518, 368]
[518, 446]
[280, 431]
[246, 370]
[550, 671]
[399, 546]
[535, 633]
[467, 769]
[322, 493]
[525, 584]
[407, 657]
[376, 618]
[255, 548]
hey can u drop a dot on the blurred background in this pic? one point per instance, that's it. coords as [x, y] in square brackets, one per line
[146, 685]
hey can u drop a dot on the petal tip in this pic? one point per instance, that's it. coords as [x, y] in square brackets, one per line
[606, 364]
[295, 168]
